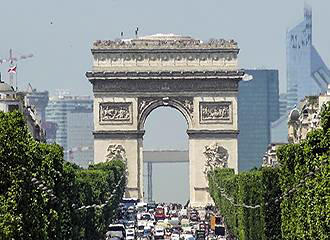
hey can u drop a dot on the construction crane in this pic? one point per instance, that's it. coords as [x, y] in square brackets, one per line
[12, 60]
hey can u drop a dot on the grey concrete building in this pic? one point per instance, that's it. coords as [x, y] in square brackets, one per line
[39, 100]
[258, 107]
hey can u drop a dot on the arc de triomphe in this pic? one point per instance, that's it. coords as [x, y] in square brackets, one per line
[131, 78]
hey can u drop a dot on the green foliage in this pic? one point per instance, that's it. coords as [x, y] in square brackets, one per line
[302, 181]
[28, 211]
[306, 211]
[257, 187]
[95, 186]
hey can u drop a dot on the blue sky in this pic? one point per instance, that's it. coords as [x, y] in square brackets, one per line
[60, 33]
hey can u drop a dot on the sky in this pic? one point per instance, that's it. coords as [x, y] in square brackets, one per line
[166, 129]
[60, 33]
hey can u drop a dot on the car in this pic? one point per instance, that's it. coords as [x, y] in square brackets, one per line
[194, 217]
[147, 232]
[146, 217]
[159, 232]
[151, 206]
[130, 234]
[175, 236]
[130, 224]
[188, 237]
[116, 231]
[140, 229]
[159, 213]
[200, 235]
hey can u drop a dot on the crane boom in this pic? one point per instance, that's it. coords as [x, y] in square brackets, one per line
[12, 59]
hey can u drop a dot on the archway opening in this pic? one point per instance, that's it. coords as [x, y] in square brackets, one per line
[166, 141]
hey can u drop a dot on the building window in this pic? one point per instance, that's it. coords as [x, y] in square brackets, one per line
[12, 108]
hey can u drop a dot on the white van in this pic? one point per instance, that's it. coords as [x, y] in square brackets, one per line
[116, 230]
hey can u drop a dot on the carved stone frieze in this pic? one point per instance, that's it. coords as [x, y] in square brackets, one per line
[116, 152]
[144, 103]
[114, 112]
[167, 51]
[215, 112]
[187, 103]
[165, 42]
[216, 156]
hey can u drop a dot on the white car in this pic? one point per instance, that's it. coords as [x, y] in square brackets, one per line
[159, 233]
[130, 224]
[140, 229]
[188, 237]
[130, 234]
[175, 236]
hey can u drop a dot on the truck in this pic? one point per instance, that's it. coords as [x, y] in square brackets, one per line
[216, 224]
[214, 221]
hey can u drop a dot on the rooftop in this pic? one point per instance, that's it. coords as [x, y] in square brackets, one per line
[4, 87]
[162, 40]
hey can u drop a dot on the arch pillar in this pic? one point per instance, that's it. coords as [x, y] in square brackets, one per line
[132, 143]
[199, 142]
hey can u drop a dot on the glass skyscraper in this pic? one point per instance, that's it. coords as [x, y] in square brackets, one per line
[74, 118]
[258, 107]
[80, 139]
[307, 74]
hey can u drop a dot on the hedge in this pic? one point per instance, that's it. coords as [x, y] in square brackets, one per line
[257, 187]
[294, 198]
[305, 169]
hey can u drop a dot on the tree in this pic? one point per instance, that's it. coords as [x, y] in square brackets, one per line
[41, 195]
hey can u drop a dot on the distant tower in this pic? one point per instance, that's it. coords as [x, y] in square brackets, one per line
[307, 75]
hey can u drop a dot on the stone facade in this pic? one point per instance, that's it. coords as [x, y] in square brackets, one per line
[131, 78]
[302, 119]
[270, 158]
[10, 100]
[306, 117]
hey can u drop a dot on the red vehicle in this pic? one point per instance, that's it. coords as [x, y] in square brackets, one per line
[159, 213]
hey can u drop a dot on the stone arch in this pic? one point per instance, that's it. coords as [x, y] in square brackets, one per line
[198, 79]
[183, 105]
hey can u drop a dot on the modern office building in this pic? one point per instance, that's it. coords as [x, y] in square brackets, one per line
[258, 106]
[307, 74]
[72, 124]
[80, 139]
[283, 103]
